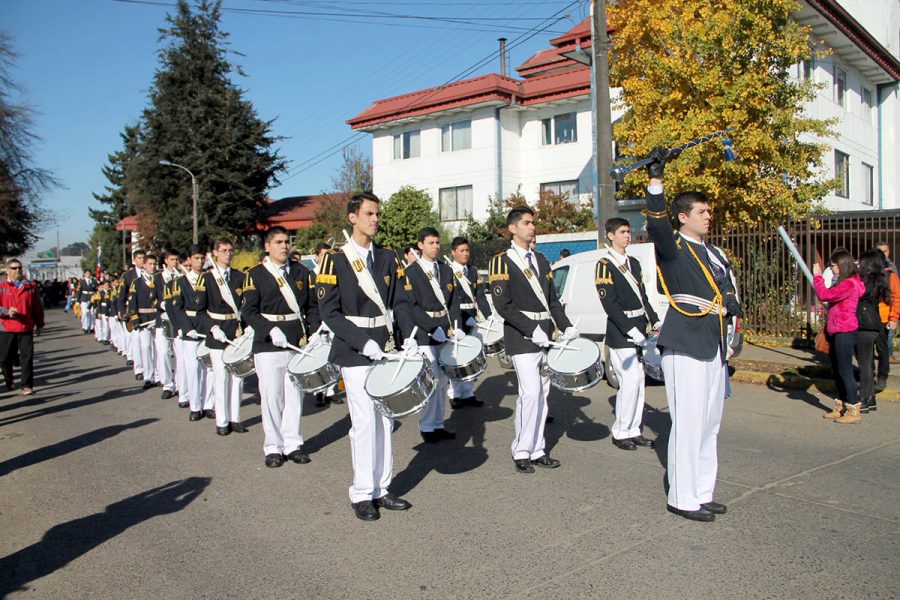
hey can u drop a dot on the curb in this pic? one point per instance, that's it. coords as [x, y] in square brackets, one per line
[799, 382]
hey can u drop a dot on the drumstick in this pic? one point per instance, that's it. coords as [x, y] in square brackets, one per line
[455, 341]
[403, 357]
[565, 344]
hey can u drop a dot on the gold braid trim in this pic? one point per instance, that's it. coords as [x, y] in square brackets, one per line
[717, 300]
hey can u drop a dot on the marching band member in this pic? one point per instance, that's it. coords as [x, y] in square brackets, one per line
[143, 307]
[184, 306]
[181, 356]
[221, 319]
[522, 289]
[358, 289]
[103, 309]
[165, 351]
[474, 308]
[695, 279]
[628, 314]
[322, 398]
[432, 293]
[132, 354]
[280, 306]
[86, 288]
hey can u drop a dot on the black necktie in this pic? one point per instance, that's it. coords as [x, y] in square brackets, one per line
[437, 273]
[225, 275]
[370, 262]
[531, 263]
[284, 271]
[718, 272]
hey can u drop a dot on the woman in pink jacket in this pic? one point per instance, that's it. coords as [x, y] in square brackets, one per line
[841, 330]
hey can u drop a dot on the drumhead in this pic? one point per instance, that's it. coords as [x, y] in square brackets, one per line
[314, 360]
[468, 349]
[202, 350]
[380, 382]
[578, 355]
[242, 349]
[489, 336]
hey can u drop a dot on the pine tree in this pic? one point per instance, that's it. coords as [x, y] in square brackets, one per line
[198, 118]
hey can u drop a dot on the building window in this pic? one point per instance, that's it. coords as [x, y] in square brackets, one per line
[840, 87]
[842, 173]
[559, 188]
[561, 129]
[867, 105]
[406, 145]
[868, 177]
[807, 68]
[456, 136]
[456, 203]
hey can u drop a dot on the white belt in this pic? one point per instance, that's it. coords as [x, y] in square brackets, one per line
[281, 318]
[536, 316]
[436, 314]
[701, 303]
[638, 312]
[191, 313]
[147, 311]
[219, 317]
[368, 322]
[469, 306]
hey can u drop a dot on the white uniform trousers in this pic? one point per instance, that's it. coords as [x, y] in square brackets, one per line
[370, 439]
[118, 337]
[195, 377]
[209, 396]
[280, 402]
[147, 352]
[165, 360]
[227, 390]
[432, 416]
[695, 390]
[134, 350]
[102, 328]
[461, 389]
[87, 319]
[531, 405]
[98, 327]
[630, 396]
[181, 369]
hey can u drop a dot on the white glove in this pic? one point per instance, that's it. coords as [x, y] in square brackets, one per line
[471, 322]
[314, 340]
[278, 337]
[570, 333]
[636, 337]
[323, 328]
[439, 336]
[410, 346]
[458, 334]
[372, 350]
[192, 334]
[657, 326]
[218, 334]
[540, 338]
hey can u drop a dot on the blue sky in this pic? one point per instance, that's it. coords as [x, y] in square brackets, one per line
[85, 67]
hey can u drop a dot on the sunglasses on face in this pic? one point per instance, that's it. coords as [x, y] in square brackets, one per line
[13, 268]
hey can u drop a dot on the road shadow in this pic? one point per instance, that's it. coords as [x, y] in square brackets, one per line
[68, 446]
[792, 392]
[328, 436]
[49, 410]
[570, 419]
[68, 541]
[660, 423]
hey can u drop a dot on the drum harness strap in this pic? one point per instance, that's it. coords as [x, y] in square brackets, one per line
[460, 274]
[633, 283]
[289, 297]
[367, 285]
[716, 301]
[532, 279]
[436, 288]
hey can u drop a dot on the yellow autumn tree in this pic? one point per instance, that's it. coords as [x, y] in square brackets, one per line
[688, 68]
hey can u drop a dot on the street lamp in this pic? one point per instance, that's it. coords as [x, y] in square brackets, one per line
[168, 163]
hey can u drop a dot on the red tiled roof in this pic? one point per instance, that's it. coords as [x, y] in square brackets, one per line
[293, 212]
[578, 32]
[564, 84]
[128, 224]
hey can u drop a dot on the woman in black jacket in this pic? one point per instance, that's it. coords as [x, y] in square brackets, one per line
[871, 271]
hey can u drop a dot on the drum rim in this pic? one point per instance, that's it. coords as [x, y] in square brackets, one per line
[597, 365]
[332, 369]
[386, 361]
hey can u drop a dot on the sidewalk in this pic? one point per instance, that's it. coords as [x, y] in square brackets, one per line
[796, 368]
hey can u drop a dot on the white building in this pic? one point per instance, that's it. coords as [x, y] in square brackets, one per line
[492, 135]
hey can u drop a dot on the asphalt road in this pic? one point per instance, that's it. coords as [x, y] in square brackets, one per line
[109, 492]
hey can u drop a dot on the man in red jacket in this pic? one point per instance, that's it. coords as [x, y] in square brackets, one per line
[20, 313]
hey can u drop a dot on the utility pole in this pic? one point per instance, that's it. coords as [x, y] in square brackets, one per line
[603, 160]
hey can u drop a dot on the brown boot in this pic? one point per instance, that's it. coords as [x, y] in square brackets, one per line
[836, 413]
[851, 415]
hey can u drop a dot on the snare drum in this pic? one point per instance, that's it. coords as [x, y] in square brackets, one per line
[405, 394]
[491, 334]
[652, 358]
[311, 372]
[238, 357]
[575, 367]
[168, 329]
[203, 355]
[464, 360]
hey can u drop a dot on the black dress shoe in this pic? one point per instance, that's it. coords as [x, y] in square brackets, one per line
[223, 430]
[642, 441]
[209, 414]
[320, 399]
[391, 502]
[195, 415]
[273, 461]
[625, 444]
[138, 377]
[523, 465]
[148, 385]
[430, 437]
[237, 427]
[183, 404]
[130, 363]
[299, 456]
[716, 508]
[456, 402]
[693, 515]
[365, 510]
[546, 462]
[167, 394]
[473, 401]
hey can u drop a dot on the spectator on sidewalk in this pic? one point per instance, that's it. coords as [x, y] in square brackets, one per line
[841, 329]
[890, 315]
[874, 277]
[20, 313]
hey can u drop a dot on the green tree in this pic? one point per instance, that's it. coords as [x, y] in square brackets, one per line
[556, 213]
[329, 220]
[354, 175]
[21, 182]
[492, 228]
[403, 215]
[688, 68]
[198, 118]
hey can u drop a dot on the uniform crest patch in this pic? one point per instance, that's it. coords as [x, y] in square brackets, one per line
[601, 292]
[320, 293]
[498, 291]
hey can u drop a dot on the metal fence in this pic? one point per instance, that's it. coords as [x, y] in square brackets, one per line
[776, 298]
